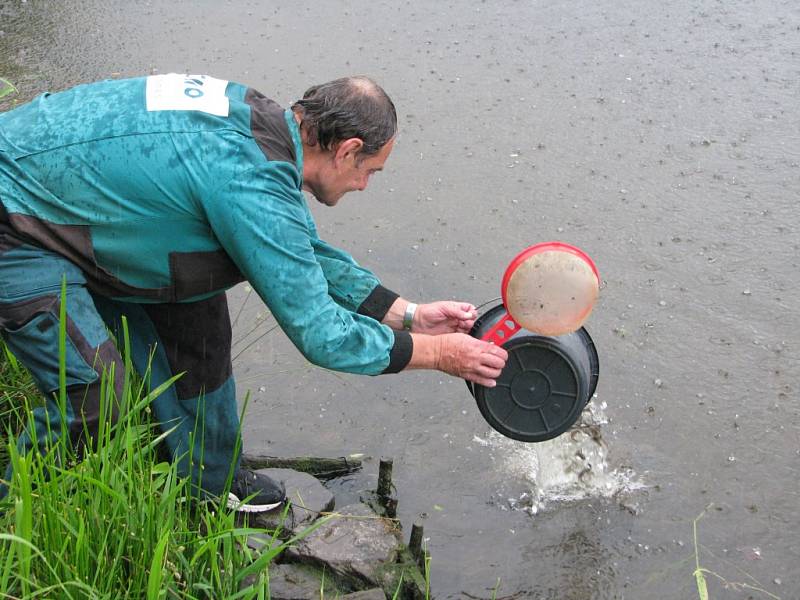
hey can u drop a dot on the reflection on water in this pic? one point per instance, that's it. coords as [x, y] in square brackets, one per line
[587, 573]
[570, 467]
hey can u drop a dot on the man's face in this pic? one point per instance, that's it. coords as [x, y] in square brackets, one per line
[347, 171]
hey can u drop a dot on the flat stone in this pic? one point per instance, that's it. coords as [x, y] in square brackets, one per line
[308, 498]
[373, 594]
[295, 582]
[355, 547]
[262, 542]
[292, 582]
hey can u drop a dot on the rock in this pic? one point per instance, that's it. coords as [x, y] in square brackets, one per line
[308, 498]
[318, 466]
[373, 594]
[356, 551]
[296, 582]
[262, 542]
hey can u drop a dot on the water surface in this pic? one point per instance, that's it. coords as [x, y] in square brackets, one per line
[661, 137]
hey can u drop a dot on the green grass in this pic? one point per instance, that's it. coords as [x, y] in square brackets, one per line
[119, 522]
[6, 88]
[16, 389]
[701, 573]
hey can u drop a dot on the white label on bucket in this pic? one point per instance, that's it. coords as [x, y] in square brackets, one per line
[187, 92]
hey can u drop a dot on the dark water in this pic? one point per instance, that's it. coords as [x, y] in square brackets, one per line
[661, 137]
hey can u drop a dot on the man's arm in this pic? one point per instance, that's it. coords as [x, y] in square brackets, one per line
[438, 332]
[460, 355]
[349, 283]
[263, 225]
[359, 290]
[433, 318]
[261, 219]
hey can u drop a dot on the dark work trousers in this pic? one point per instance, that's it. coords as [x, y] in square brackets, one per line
[191, 338]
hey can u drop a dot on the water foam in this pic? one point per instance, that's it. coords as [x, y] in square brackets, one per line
[573, 466]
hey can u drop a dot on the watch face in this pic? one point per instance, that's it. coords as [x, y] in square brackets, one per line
[408, 316]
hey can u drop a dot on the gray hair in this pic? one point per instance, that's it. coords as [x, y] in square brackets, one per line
[350, 107]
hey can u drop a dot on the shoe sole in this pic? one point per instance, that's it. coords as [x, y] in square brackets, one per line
[239, 506]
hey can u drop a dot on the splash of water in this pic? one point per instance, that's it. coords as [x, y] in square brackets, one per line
[570, 467]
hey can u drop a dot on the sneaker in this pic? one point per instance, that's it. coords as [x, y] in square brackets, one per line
[254, 492]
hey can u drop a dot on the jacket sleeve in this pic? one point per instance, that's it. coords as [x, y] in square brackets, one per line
[262, 221]
[351, 285]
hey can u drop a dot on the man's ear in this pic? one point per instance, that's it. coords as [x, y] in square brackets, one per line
[349, 148]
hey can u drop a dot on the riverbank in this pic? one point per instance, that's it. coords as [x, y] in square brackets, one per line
[122, 523]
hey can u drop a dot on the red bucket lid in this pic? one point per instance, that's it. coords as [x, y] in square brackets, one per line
[547, 320]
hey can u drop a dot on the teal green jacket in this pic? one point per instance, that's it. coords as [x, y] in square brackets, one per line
[173, 188]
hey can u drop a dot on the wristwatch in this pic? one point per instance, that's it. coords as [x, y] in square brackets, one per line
[408, 316]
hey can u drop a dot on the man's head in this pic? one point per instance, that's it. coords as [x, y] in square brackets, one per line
[348, 127]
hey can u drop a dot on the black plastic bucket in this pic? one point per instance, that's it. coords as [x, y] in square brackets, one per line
[544, 386]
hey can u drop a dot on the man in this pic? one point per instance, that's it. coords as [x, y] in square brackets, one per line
[151, 197]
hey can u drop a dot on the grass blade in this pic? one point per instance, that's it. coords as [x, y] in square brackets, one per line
[157, 568]
[6, 88]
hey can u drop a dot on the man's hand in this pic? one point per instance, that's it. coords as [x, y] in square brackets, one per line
[469, 358]
[444, 317]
